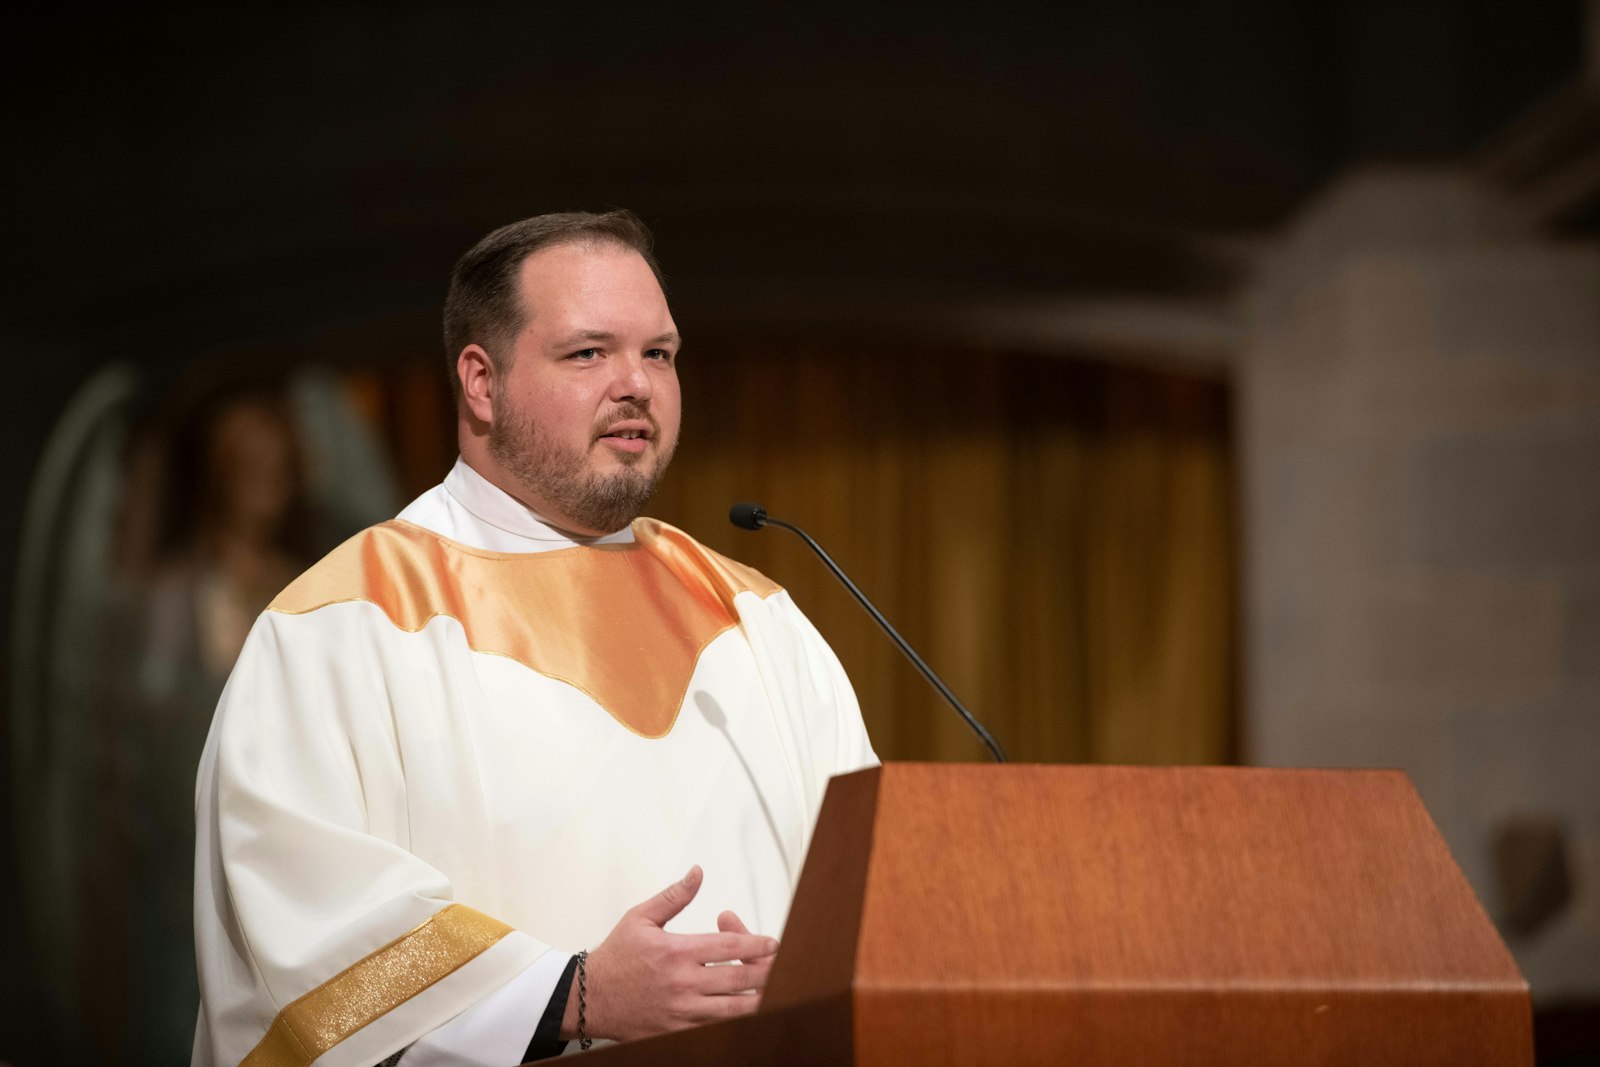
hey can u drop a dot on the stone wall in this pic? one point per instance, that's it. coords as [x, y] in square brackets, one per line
[1419, 399]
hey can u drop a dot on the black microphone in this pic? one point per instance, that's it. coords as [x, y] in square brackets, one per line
[754, 517]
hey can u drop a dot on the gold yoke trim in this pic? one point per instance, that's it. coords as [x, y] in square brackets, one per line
[374, 986]
[624, 623]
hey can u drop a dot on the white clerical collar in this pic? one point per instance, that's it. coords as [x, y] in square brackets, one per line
[490, 504]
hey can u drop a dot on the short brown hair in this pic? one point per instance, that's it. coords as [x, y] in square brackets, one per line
[484, 305]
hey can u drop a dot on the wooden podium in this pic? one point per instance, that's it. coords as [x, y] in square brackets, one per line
[975, 914]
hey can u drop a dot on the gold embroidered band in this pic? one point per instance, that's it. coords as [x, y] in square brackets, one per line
[374, 986]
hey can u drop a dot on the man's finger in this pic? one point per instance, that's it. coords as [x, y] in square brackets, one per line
[733, 978]
[715, 1008]
[730, 923]
[660, 908]
[725, 948]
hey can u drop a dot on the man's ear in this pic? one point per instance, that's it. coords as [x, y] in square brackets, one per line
[475, 372]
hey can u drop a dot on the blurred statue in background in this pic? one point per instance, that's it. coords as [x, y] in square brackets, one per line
[215, 524]
[237, 534]
[163, 515]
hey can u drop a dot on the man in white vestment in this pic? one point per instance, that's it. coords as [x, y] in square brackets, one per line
[463, 763]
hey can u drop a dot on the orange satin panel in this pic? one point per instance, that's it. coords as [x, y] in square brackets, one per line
[624, 623]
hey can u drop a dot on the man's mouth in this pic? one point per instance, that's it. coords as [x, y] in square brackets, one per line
[628, 436]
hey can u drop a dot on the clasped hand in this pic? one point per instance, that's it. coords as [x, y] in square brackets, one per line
[642, 980]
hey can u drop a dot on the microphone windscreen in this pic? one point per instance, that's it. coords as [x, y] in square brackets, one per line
[748, 516]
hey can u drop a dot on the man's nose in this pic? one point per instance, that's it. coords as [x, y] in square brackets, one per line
[631, 380]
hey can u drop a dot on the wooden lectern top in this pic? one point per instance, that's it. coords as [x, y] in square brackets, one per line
[1096, 915]
[1168, 878]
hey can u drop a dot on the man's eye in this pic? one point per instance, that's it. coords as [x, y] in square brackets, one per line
[585, 353]
[659, 353]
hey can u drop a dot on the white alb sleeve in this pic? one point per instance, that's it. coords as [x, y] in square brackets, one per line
[495, 1031]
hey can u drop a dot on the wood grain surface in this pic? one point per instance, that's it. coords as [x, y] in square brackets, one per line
[1174, 915]
[825, 919]
[977, 914]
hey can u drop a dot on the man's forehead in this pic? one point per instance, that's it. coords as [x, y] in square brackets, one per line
[591, 285]
[589, 278]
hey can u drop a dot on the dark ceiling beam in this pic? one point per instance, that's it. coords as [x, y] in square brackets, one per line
[1549, 159]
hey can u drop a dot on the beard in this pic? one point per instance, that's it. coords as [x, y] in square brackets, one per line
[561, 475]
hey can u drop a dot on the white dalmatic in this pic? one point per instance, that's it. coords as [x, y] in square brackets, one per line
[458, 748]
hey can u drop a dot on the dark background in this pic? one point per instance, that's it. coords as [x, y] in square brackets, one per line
[182, 183]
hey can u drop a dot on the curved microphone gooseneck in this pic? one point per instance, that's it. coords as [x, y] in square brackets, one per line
[754, 517]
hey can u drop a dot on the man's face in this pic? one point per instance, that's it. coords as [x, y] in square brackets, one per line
[586, 416]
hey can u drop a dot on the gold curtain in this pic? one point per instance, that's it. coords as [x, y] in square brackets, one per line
[1055, 537]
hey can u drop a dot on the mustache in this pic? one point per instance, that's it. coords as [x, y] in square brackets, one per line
[627, 410]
